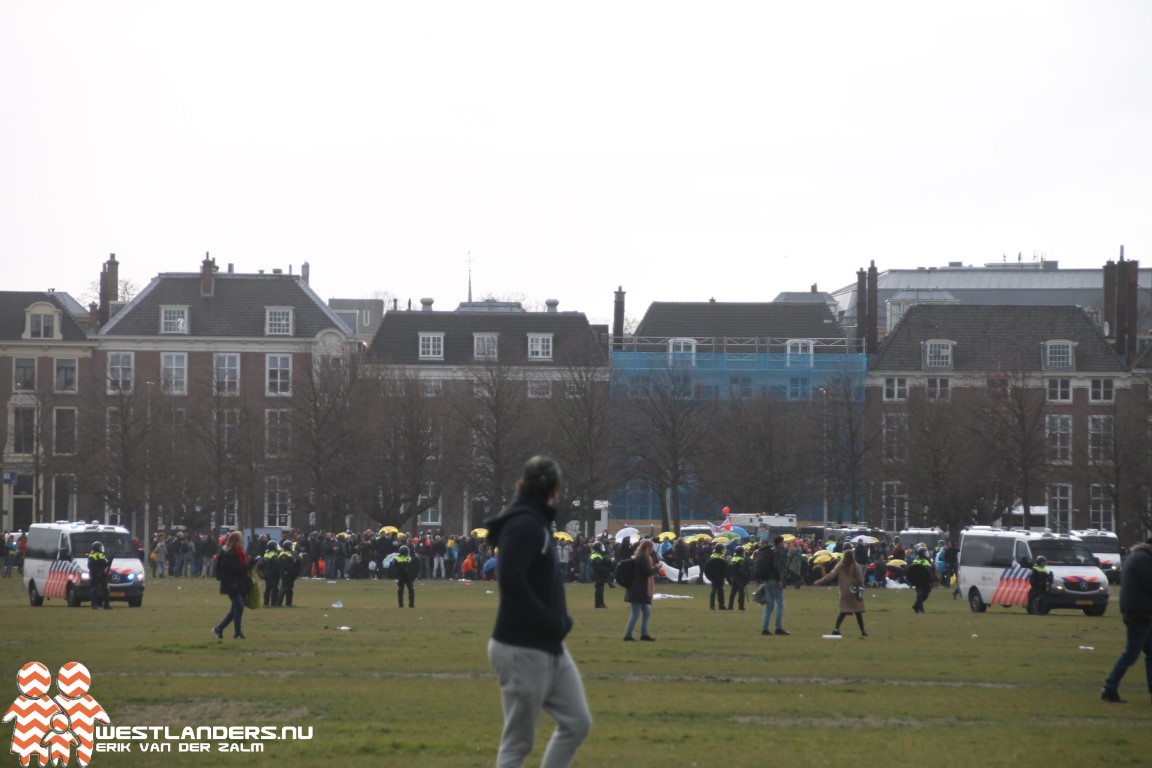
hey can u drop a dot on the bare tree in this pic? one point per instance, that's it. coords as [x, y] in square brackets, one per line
[497, 419]
[848, 444]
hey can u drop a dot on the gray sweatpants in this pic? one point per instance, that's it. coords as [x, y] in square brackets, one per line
[531, 680]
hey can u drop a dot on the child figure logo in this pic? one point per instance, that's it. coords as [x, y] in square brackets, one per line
[47, 728]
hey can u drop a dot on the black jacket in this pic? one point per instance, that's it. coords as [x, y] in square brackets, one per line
[232, 574]
[533, 612]
[1136, 584]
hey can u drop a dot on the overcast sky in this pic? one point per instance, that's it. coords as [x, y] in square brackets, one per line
[684, 151]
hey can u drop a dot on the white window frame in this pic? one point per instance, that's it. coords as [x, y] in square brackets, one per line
[22, 414]
[50, 318]
[174, 320]
[799, 352]
[174, 373]
[895, 389]
[938, 388]
[56, 368]
[431, 345]
[682, 351]
[432, 515]
[277, 501]
[740, 387]
[573, 389]
[1059, 390]
[539, 389]
[1101, 510]
[540, 346]
[29, 364]
[895, 436]
[799, 388]
[432, 387]
[1100, 438]
[283, 377]
[227, 363]
[1058, 434]
[277, 433]
[894, 501]
[1059, 355]
[123, 364]
[1060, 507]
[486, 346]
[56, 431]
[1102, 390]
[938, 354]
[279, 321]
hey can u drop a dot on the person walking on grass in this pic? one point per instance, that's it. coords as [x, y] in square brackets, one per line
[850, 578]
[776, 564]
[233, 570]
[641, 590]
[714, 570]
[1136, 606]
[527, 651]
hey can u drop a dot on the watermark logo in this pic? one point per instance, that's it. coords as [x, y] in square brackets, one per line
[47, 728]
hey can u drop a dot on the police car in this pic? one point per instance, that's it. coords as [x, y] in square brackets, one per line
[56, 563]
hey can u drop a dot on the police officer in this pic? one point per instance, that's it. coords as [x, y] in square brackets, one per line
[98, 576]
[601, 571]
[737, 576]
[288, 563]
[919, 575]
[714, 570]
[406, 568]
[269, 570]
[1039, 582]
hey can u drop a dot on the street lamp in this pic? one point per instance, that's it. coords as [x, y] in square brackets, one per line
[824, 447]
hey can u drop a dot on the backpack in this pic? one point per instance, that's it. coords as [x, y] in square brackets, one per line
[762, 565]
[625, 570]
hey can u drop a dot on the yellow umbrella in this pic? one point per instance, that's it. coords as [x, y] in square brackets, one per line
[563, 536]
[819, 559]
[897, 561]
[665, 536]
[788, 537]
[821, 552]
[697, 537]
[389, 529]
[481, 532]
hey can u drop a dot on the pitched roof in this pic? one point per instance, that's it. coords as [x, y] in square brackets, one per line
[235, 308]
[397, 341]
[991, 338]
[716, 319]
[13, 305]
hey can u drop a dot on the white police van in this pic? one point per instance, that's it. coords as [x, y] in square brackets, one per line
[56, 563]
[1106, 546]
[996, 569]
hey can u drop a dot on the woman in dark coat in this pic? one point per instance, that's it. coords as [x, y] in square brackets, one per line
[847, 574]
[640, 591]
[232, 571]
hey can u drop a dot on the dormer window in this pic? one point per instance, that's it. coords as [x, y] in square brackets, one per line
[278, 321]
[539, 346]
[938, 354]
[42, 321]
[799, 352]
[484, 346]
[1059, 355]
[431, 346]
[174, 320]
[682, 352]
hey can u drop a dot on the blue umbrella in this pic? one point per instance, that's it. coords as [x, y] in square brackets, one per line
[740, 531]
[490, 565]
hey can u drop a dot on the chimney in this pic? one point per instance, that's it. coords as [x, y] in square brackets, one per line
[813, 289]
[207, 276]
[862, 307]
[305, 272]
[552, 304]
[1109, 313]
[93, 316]
[230, 268]
[109, 288]
[426, 305]
[872, 330]
[618, 320]
[1127, 285]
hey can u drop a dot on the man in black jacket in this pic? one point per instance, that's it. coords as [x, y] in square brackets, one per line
[527, 647]
[1136, 605]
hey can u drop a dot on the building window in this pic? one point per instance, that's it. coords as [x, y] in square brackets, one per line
[895, 388]
[63, 497]
[574, 389]
[227, 379]
[895, 505]
[996, 388]
[25, 374]
[1101, 391]
[1058, 355]
[113, 428]
[1059, 428]
[277, 433]
[23, 430]
[799, 388]
[228, 508]
[433, 387]
[681, 351]
[895, 436]
[431, 515]
[277, 502]
[278, 375]
[278, 321]
[938, 355]
[1060, 508]
[938, 389]
[119, 373]
[66, 374]
[174, 320]
[1100, 439]
[539, 389]
[539, 346]
[799, 352]
[174, 373]
[228, 429]
[1059, 390]
[484, 346]
[740, 387]
[1101, 513]
[42, 325]
[64, 432]
[431, 346]
[365, 317]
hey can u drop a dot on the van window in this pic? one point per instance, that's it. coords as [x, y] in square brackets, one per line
[978, 551]
[1064, 552]
[115, 544]
[1022, 553]
[41, 544]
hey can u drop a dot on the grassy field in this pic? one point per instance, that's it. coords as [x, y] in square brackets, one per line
[412, 687]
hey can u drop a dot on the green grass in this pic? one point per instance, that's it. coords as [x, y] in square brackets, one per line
[413, 686]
